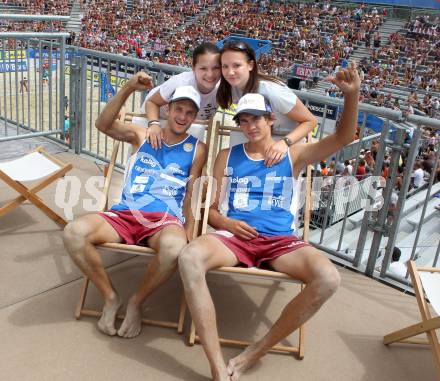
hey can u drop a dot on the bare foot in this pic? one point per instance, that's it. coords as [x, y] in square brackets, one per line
[132, 324]
[107, 322]
[239, 364]
[220, 374]
[223, 377]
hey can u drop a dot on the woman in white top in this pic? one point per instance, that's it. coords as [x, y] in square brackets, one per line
[240, 76]
[204, 77]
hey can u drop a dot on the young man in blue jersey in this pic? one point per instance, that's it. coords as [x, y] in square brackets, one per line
[258, 227]
[155, 205]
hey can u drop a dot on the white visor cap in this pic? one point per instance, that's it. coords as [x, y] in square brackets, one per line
[254, 104]
[186, 92]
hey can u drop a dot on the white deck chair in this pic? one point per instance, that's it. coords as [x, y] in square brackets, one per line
[124, 248]
[214, 142]
[423, 279]
[37, 165]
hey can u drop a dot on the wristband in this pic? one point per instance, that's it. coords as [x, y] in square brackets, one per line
[288, 142]
[151, 122]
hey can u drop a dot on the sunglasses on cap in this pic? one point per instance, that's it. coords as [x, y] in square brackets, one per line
[237, 45]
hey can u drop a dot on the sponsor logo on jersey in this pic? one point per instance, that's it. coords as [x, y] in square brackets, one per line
[188, 147]
[240, 180]
[149, 161]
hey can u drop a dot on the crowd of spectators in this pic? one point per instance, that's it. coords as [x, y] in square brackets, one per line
[410, 61]
[37, 7]
[148, 31]
[320, 35]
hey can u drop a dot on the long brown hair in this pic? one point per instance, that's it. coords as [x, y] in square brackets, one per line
[224, 92]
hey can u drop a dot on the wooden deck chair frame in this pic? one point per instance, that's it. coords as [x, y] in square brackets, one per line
[124, 248]
[31, 193]
[427, 325]
[213, 142]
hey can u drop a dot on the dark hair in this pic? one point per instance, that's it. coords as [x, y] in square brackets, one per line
[204, 48]
[224, 92]
[396, 254]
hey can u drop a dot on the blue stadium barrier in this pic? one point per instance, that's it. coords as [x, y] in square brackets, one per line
[260, 46]
[433, 4]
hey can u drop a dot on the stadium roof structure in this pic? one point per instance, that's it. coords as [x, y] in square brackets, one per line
[260, 46]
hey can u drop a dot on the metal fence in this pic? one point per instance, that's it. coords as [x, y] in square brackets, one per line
[71, 84]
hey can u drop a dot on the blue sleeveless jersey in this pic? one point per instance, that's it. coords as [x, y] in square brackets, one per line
[261, 196]
[155, 180]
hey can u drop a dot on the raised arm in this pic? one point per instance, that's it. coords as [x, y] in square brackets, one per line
[108, 122]
[217, 220]
[349, 82]
[196, 171]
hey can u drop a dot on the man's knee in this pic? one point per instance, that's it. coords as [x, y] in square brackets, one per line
[190, 262]
[74, 236]
[170, 248]
[328, 281]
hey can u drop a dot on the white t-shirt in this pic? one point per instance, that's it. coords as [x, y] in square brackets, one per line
[398, 268]
[208, 104]
[418, 177]
[281, 99]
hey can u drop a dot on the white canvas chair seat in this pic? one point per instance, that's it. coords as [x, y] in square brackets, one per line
[31, 167]
[426, 282]
[214, 144]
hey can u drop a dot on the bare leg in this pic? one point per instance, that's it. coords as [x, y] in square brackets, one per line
[321, 278]
[203, 254]
[79, 237]
[168, 243]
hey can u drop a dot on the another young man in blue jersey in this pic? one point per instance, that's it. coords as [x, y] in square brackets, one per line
[155, 205]
[258, 227]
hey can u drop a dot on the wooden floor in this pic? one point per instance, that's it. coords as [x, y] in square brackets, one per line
[41, 340]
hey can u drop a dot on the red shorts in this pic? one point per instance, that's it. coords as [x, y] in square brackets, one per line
[135, 226]
[255, 252]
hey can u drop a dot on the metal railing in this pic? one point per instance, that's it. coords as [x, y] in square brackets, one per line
[78, 81]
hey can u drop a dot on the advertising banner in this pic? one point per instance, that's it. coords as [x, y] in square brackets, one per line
[11, 55]
[318, 110]
[13, 66]
[304, 72]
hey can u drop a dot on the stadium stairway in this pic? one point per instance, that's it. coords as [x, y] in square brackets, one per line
[413, 204]
[191, 20]
[386, 29]
[76, 15]
[10, 8]
[428, 238]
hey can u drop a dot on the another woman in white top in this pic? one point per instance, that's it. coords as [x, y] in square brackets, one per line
[204, 77]
[240, 76]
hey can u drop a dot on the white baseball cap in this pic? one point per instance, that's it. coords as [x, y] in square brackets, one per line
[254, 104]
[186, 92]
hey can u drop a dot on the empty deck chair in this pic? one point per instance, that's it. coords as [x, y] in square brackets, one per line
[124, 248]
[214, 143]
[37, 165]
[425, 279]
